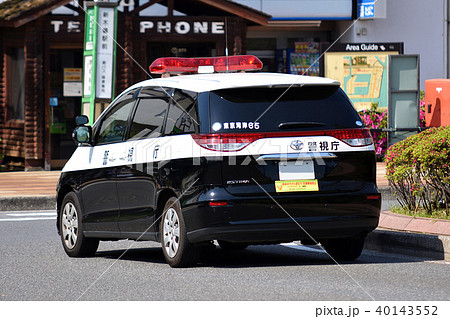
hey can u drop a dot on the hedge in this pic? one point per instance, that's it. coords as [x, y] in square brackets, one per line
[419, 170]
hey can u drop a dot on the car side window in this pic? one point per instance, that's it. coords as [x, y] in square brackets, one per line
[182, 117]
[114, 124]
[150, 114]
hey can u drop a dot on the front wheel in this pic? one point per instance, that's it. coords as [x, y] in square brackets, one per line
[177, 249]
[71, 228]
[344, 249]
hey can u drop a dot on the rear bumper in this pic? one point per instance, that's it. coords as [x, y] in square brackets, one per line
[284, 218]
[259, 233]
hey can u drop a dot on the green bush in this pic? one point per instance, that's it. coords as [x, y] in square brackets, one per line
[419, 170]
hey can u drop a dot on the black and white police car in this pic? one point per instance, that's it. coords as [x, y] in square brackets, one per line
[238, 158]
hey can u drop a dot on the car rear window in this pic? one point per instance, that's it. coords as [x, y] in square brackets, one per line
[267, 109]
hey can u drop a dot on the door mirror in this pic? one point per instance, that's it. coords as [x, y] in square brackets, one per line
[82, 135]
[81, 120]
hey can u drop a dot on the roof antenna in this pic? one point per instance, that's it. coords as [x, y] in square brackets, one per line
[226, 41]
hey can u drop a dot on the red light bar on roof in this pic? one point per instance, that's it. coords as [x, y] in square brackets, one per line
[206, 65]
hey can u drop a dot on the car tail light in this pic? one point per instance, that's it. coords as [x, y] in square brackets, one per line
[229, 142]
[218, 204]
[206, 65]
[225, 142]
[355, 137]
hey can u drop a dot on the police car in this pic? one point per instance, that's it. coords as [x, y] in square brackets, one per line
[234, 158]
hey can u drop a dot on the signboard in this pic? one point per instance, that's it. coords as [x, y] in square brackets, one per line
[73, 74]
[89, 33]
[105, 51]
[303, 9]
[72, 89]
[68, 26]
[184, 26]
[99, 56]
[87, 75]
[366, 9]
[362, 69]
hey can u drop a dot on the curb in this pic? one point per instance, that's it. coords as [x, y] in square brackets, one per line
[436, 247]
[19, 203]
[386, 192]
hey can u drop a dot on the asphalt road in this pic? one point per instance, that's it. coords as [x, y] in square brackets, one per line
[33, 266]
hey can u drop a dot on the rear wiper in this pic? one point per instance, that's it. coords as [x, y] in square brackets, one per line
[289, 125]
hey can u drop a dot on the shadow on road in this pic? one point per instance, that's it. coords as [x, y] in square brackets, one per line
[256, 256]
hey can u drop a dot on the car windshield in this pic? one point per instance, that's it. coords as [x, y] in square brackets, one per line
[281, 109]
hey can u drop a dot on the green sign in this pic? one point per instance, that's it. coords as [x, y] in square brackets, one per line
[99, 57]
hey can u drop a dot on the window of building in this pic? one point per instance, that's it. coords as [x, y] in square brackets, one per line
[16, 83]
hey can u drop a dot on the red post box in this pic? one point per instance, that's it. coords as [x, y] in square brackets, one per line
[437, 102]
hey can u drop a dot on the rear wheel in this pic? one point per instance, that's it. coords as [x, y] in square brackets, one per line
[344, 249]
[177, 249]
[71, 228]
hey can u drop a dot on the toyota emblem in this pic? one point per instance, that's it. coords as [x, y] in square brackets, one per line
[297, 145]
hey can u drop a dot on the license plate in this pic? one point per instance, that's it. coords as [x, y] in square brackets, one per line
[296, 170]
[307, 185]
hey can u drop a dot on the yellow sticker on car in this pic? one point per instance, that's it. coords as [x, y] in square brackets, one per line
[304, 185]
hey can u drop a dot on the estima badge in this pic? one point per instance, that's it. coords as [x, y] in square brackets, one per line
[297, 145]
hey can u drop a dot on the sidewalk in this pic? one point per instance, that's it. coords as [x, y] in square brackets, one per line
[20, 184]
[422, 237]
[43, 183]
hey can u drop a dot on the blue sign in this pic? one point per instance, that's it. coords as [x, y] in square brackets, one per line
[366, 9]
[53, 101]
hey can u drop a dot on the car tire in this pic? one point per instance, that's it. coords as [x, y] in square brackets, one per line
[226, 245]
[177, 250]
[344, 249]
[71, 229]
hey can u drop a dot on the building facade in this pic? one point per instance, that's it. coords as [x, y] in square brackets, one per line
[41, 61]
[41, 51]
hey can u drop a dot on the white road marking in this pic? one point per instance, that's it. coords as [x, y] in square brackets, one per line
[27, 216]
[31, 214]
[25, 219]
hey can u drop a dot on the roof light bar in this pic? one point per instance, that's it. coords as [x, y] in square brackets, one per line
[200, 65]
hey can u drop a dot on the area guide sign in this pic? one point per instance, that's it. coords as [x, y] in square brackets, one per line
[362, 69]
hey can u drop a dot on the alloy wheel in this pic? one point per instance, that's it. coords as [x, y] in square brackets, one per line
[70, 225]
[171, 232]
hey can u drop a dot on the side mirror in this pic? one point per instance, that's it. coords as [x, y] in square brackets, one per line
[81, 120]
[82, 135]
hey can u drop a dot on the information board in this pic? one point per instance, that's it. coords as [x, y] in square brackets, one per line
[362, 69]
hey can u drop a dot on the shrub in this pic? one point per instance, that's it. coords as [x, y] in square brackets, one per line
[374, 119]
[419, 170]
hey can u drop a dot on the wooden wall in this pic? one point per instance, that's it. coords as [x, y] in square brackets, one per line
[23, 140]
[11, 130]
[34, 94]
